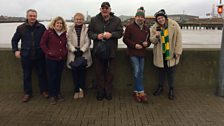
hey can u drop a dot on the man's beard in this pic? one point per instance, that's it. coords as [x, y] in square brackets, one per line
[106, 17]
[139, 22]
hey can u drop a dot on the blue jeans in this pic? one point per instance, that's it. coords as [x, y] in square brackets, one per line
[54, 69]
[138, 67]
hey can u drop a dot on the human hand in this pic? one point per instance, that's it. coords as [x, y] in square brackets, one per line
[145, 44]
[100, 36]
[17, 54]
[157, 33]
[107, 35]
[176, 56]
[78, 52]
[138, 46]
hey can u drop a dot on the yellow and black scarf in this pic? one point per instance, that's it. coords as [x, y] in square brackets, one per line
[165, 43]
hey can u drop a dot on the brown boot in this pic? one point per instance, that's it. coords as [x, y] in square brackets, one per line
[136, 97]
[26, 98]
[143, 97]
[45, 94]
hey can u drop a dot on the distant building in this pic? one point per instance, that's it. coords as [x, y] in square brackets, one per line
[11, 19]
[181, 18]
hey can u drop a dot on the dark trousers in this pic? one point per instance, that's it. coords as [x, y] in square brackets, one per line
[166, 71]
[79, 78]
[104, 74]
[54, 70]
[28, 64]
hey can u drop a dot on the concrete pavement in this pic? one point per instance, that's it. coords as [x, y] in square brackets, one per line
[192, 107]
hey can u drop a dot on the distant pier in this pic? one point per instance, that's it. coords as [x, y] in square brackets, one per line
[207, 23]
[187, 22]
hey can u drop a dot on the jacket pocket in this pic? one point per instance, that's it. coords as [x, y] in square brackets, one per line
[25, 52]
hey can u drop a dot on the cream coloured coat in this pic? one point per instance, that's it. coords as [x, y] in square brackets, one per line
[73, 42]
[175, 40]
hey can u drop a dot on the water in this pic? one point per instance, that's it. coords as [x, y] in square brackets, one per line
[191, 38]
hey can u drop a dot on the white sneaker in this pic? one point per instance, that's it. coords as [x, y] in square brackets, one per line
[81, 93]
[76, 95]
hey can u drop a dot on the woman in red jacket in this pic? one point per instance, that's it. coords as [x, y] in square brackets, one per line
[53, 44]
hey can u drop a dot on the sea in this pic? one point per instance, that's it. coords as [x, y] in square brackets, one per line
[199, 38]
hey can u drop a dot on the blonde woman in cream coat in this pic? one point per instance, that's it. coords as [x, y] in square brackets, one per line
[77, 33]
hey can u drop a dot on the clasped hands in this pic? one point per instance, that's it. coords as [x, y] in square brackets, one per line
[105, 35]
[140, 46]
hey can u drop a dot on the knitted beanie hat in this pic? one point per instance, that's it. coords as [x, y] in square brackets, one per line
[161, 13]
[140, 12]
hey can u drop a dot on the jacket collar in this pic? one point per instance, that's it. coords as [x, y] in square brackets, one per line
[101, 17]
[143, 27]
[72, 27]
[36, 24]
[52, 30]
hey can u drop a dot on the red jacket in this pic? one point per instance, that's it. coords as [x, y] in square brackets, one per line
[134, 35]
[54, 46]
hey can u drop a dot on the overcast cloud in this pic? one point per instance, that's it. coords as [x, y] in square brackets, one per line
[66, 8]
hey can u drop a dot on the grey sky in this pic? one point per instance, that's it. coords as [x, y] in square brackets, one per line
[66, 8]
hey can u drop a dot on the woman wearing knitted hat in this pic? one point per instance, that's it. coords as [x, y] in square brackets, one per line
[167, 40]
[136, 37]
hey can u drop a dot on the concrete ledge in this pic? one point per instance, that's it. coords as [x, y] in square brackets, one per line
[197, 69]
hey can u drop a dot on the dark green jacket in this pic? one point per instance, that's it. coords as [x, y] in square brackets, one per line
[114, 26]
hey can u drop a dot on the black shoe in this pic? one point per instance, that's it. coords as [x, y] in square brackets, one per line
[108, 96]
[171, 94]
[60, 98]
[99, 96]
[158, 91]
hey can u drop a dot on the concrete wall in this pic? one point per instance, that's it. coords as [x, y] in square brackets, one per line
[197, 69]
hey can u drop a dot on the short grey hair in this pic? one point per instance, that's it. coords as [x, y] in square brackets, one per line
[31, 10]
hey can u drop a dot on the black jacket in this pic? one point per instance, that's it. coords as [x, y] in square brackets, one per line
[30, 37]
[113, 25]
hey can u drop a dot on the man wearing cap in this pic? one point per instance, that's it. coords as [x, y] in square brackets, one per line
[107, 28]
[167, 40]
[136, 37]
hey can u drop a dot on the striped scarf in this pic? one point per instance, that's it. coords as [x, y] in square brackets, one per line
[165, 43]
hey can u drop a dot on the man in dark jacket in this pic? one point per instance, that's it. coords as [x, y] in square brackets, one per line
[105, 28]
[30, 53]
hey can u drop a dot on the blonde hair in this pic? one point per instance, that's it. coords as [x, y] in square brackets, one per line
[51, 25]
[79, 14]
